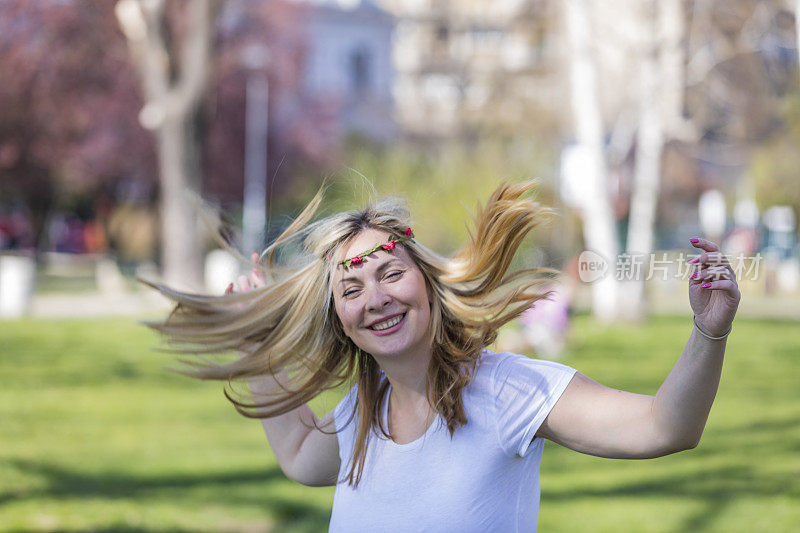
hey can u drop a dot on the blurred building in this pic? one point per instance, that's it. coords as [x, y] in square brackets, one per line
[349, 63]
[466, 65]
[329, 75]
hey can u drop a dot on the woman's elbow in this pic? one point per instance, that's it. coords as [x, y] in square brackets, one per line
[694, 443]
[672, 444]
[682, 445]
[310, 476]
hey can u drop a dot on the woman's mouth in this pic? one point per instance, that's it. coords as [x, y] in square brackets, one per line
[388, 326]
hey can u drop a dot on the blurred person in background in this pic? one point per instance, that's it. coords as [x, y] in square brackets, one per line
[15, 232]
[436, 431]
[133, 234]
[545, 325]
[542, 329]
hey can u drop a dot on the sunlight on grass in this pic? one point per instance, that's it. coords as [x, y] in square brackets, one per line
[96, 436]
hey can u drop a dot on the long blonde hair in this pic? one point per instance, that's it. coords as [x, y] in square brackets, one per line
[291, 324]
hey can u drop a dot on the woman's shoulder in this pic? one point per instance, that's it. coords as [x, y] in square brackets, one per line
[498, 366]
[490, 361]
[488, 364]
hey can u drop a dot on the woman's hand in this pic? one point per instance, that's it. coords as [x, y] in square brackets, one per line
[243, 283]
[713, 292]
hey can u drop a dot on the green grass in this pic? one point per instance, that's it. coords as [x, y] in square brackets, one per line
[95, 436]
[744, 476]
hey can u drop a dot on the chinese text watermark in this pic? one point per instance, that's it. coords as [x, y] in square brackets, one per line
[659, 265]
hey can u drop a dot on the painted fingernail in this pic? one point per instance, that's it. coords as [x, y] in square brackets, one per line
[693, 276]
[705, 285]
[694, 241]
[694, 259]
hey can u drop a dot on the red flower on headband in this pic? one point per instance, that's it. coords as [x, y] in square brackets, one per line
[409, 233]
[356, 260]
[389, 246]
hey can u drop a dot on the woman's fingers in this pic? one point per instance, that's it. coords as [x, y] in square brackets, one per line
[709, 258]
[725, 285]
[712, 274]
[256, 275]
[704, 244]
[244, 284]
[258, 278]
[711, 265]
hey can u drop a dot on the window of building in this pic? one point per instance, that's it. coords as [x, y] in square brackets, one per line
[360, 65]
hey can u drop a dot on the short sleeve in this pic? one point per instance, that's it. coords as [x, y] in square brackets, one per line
[344, 409]
[525, 390]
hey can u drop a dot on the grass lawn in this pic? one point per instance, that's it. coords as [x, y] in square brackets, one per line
[95, 436]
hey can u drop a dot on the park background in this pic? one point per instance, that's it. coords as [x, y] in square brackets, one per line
[646, 123]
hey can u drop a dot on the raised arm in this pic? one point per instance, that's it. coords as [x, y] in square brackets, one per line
[306, 448]
[305, 454]
[598, 420]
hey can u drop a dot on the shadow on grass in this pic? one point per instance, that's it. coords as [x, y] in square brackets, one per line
[63, 483]
[716, 488]
[744, 448]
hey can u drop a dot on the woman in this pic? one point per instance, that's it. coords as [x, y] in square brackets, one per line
[437, 433]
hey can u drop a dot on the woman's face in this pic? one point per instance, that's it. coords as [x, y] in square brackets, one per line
[383, 302]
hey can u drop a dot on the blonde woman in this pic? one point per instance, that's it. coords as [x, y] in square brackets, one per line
[437, 433]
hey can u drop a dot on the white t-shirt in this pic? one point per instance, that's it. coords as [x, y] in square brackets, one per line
[485, 479]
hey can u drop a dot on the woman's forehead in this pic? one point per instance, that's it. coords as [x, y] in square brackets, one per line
[362, 242]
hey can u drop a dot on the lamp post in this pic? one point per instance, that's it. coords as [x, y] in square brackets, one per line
[255, 59]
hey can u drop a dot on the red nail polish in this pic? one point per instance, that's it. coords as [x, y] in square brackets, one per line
[693, 260]
[693, 276]
[705, 285]
[695, 241]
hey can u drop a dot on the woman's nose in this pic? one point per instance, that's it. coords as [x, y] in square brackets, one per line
[377, 298]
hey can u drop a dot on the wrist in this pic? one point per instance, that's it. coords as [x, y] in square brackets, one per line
[708, 335]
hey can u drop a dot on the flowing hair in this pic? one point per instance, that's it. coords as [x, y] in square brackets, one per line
[290, 325]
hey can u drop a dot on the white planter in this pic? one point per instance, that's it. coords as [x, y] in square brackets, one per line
[17, 276]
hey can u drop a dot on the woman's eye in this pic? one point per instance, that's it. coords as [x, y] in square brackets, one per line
[350, 292]
[394, 275]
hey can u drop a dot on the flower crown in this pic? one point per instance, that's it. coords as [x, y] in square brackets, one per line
[387, 246]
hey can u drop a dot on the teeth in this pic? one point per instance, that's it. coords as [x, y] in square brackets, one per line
[388, 323]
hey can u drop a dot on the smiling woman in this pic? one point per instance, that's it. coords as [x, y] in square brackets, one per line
[436, 431]
[383, 301]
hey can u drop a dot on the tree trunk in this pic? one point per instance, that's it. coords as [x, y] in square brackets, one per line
[181, 253]
[598, 220]
[647, 172]
[174, 84]
[671, 30]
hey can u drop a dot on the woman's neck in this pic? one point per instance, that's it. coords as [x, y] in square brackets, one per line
[407, 375]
